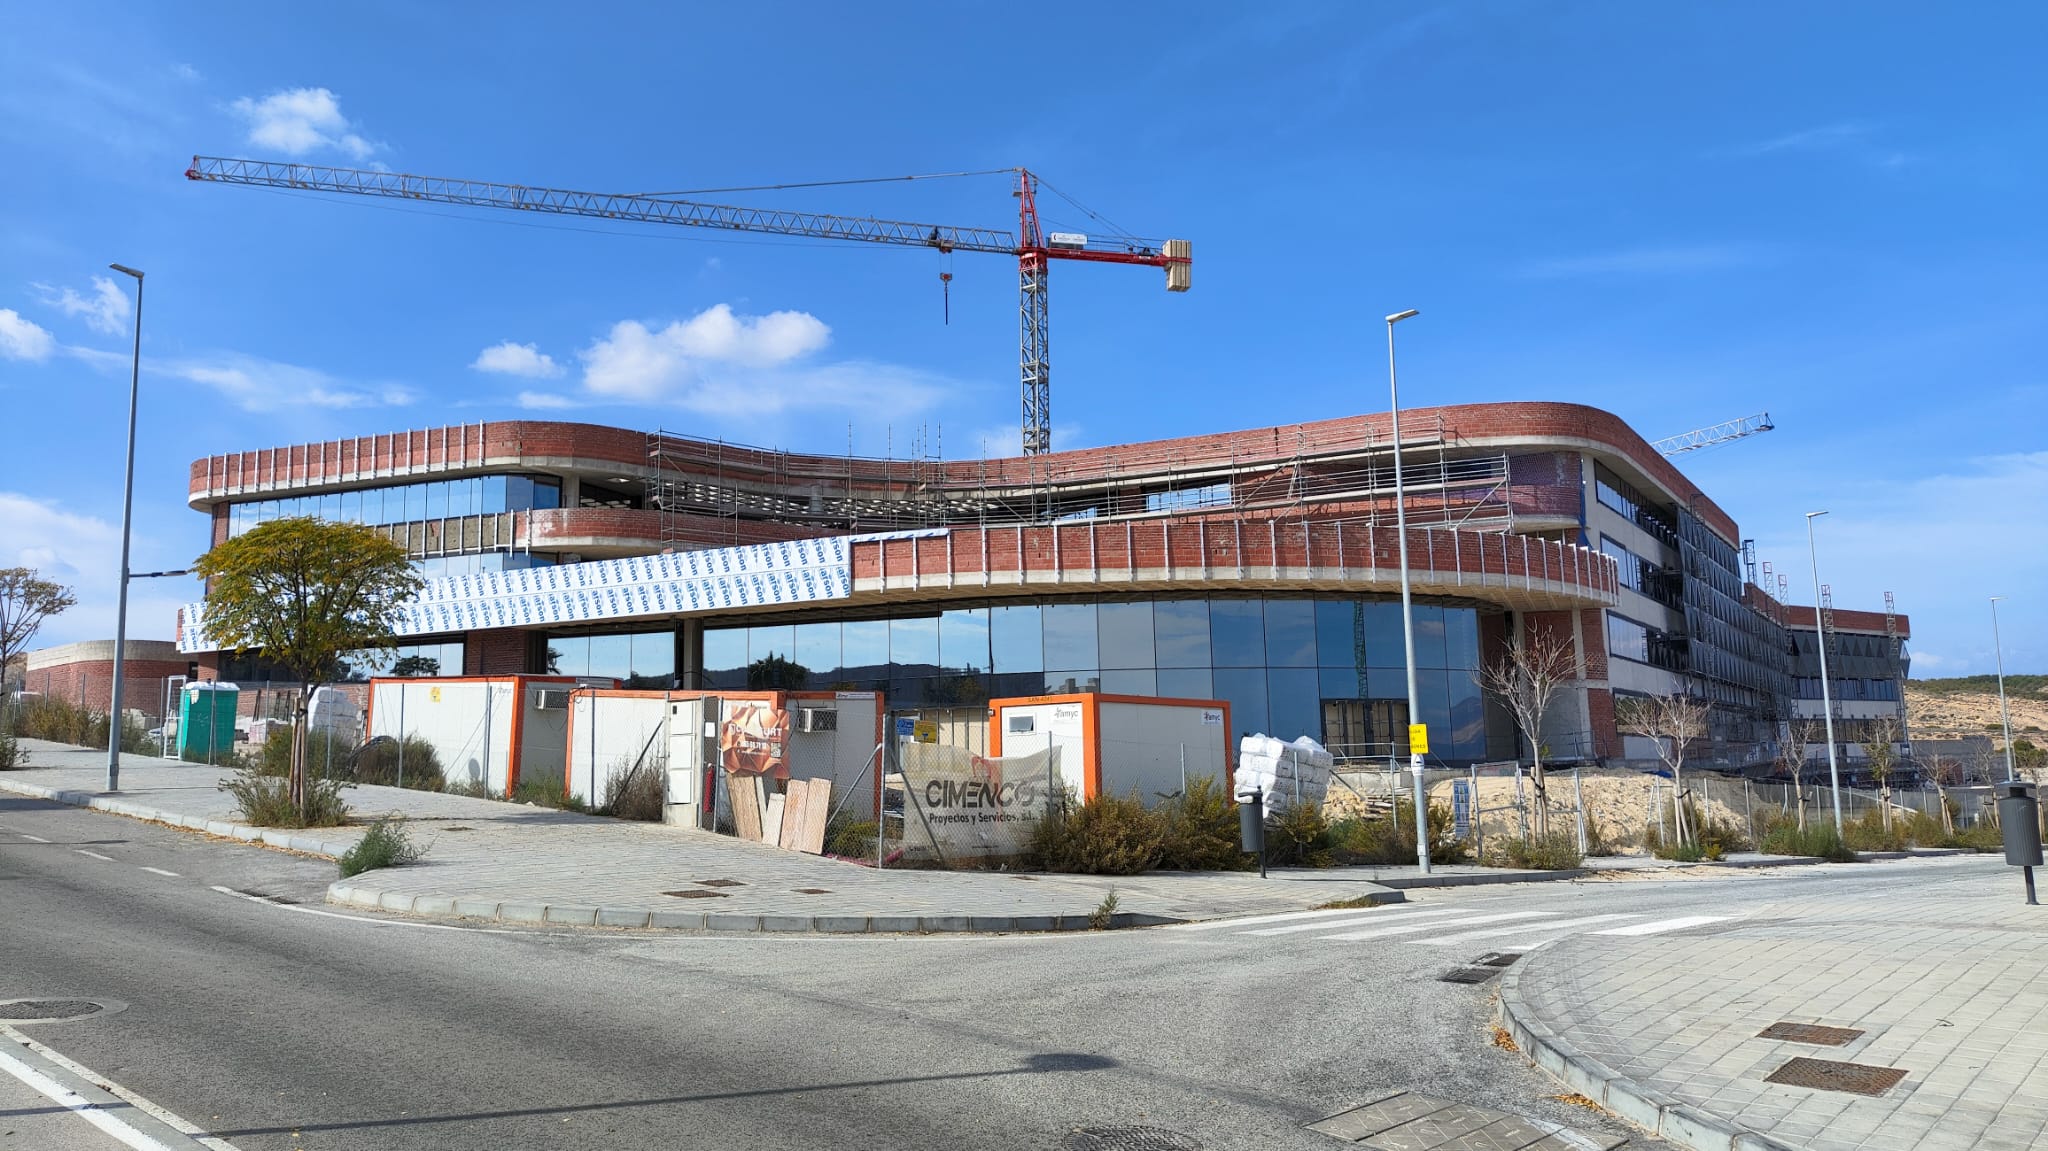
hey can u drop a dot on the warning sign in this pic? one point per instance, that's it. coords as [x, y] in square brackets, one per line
[1418, 739]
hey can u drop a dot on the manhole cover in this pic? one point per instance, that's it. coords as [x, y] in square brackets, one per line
[1468, 975]
[1810, 1033]
[720, 883]
[1828, 1075]
[22, 1009]
[1130, 1139]
[693, 893]
[813, 891]
[1499, 959]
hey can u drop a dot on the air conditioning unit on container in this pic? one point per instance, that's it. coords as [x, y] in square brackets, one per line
[551, 698]
[817, 719]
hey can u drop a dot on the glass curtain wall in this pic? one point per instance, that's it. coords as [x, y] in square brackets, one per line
[1328, 668]
[404, 503]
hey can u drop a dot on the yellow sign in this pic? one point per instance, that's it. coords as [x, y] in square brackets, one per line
[925, 732]
[1418, 739]
[434, 694]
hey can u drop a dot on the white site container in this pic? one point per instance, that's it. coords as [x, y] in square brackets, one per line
[1118, 744]
[490, 730]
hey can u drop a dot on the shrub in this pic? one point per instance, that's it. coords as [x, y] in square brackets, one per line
[376, 762]
[1104, 915]
[1297, 835]
[547, 793]
[11, 755]
[1109, 835]
[1868, 833]
[387, 843]
[265, 800]
[1558, 852]
[1982, 836]
[473, 788]
[61, 721]
[1391, 841]
[850, 837]
[1783, 837]
[1200, 831]
[1924, 830]
[637, 792]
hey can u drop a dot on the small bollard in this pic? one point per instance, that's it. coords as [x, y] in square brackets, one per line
[1251, 826]
[2019, 817]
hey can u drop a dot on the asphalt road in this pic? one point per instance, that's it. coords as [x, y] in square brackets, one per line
[282, 1025]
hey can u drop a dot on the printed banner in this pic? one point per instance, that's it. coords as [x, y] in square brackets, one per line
[754, 740]
[958, 805]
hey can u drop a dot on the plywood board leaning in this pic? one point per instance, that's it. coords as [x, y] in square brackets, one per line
[745, 791]
[817, 810]
[794, 800]
[771, 826]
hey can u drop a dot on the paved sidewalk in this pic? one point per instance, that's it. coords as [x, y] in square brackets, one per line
[1945, 986]
[516, 864]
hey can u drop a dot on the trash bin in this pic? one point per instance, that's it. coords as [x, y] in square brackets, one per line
[2019, 816]
[1251, 826]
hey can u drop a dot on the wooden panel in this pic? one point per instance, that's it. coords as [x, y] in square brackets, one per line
[771, 826]
[817, 808]
[795, 800]
[745, 793]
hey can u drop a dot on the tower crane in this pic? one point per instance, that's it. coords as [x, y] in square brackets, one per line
[1715, 435]
[1033, 247]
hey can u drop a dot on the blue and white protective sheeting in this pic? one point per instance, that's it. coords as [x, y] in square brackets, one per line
[675, 583]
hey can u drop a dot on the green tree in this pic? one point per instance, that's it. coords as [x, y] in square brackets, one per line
[26, 600]
[305, 592]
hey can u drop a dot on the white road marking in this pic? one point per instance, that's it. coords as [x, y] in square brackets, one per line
[33, 838]
[168, 1118]
[1412, 928]
[1444, 940]
[1288, 917]
[162, 872]
[94, 854]
[1325, 925]
[1662, 925]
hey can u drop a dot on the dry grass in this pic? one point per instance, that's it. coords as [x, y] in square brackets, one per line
[1578, 1100]
[1934, 715]
[1505, 1041]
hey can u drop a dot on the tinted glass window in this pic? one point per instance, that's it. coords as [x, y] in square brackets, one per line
[914, 645]
[866, 647]
[1343, 683]
[1125, 635]
[777, 640]
[547, 493]
[1245, 688]
[1468, 717]
[437, 501]
[611, 656]
[1461, 639]
[1429, 636]
[725, 657]
[964, 640]
[1017, 641]
[494, 494]
[817, 650]
[1295, 702]
[1069, 682]
[1186, 683]
[1383, 634]
[1237, 633]
[1181, 632]
[1337, 621]
[1069, 636]
[1290, 633]
[1136, 682]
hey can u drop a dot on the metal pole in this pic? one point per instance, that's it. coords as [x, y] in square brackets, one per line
[1407, 605]
[401, 736]
[2004, 719]
[1826, 697]
[1579, 809]
[114, 724]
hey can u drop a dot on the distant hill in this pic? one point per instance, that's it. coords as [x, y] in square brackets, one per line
[1968, 705]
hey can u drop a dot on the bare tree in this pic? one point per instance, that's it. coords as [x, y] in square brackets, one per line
[1799, 735]
[26, 600]
[1527, 680]
[1671, 722]
[1881, 753]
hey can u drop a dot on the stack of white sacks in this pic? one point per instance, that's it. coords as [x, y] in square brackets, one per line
[1281, 772]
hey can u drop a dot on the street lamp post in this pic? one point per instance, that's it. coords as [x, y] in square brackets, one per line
[114, 722]
[1827, 704]
[1407, 608]
[2004, 720]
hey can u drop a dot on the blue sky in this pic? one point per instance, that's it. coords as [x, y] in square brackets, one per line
[1681, 212]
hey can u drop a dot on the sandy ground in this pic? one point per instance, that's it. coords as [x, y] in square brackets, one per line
[1617, 805]
[1954, 716]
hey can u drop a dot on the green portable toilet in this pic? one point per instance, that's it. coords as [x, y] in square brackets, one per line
[206, 720]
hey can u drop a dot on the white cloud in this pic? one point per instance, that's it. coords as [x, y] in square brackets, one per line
[545, 401]
[1643, 261]
[259, 385]
[716, 360]
[297, 121]
[510, 359]
[105, 310]
[186, 72]
[83, 553]
[1852, 138]
[22, 339]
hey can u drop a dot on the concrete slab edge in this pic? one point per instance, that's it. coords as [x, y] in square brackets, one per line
[293, 840]
[356, 893]
[1414, 882]
[1680, 1123]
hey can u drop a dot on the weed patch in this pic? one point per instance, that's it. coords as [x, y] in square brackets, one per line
[264, 800]
[1104, 913]
[1109, 835]
[1559, 852]
[387, 843]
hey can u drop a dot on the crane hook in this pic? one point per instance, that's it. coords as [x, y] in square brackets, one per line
[946, 286]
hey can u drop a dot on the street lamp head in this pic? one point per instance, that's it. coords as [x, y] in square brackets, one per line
[1397, 317]
[1810, 515]
[126, 270]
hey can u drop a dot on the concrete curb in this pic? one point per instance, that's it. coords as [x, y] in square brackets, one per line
[290, 839]
[1680, 1123]
[1413, 883]
[355, 893]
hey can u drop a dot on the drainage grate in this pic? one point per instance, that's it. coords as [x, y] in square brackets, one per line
[26, 1009]
[1468, 975]
[813, 890]
[1828, 1075]
[458, 828]
[1498, 959]
[720, 883]
[1130, 1139]
[693, 893]
[1812, 1033]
